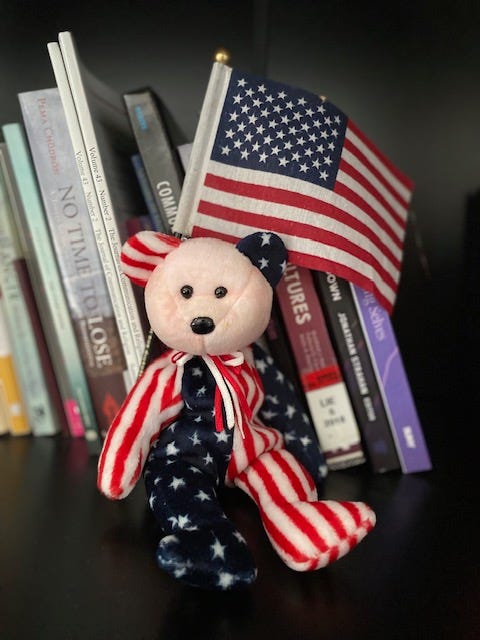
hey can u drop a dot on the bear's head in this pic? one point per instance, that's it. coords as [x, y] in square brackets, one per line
[204, 295]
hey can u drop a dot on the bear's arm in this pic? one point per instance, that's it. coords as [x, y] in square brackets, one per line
[153, 403]
[283, 410]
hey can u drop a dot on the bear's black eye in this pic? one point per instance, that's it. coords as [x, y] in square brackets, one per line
[220, 292]
[186, 291]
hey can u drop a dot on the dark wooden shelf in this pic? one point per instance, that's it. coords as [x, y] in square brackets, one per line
[74, 565]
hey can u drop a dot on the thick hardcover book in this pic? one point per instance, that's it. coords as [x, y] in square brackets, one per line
[354, 357]
[319, 371]
[44, 415]
[391, 375]
[76, 252]
[13, 417]
[49, 292]
[159, 157]
[108, 145]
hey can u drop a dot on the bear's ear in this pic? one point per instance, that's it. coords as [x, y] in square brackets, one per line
[267, 252]
[143, 252]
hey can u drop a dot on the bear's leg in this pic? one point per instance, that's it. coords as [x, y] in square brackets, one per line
[202, 547]
[306, 533]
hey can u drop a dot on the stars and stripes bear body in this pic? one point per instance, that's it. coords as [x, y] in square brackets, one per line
[199, 417]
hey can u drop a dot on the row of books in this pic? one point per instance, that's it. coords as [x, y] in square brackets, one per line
[346, 360]
[73, 186]
[87, 168]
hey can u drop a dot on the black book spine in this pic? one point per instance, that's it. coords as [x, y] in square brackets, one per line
[160, 158]
[352, 350]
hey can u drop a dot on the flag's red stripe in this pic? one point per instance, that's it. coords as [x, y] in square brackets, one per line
[309, 203]
[313, 262]
[354, 173]
[342, 271]
[353, 197]
[401, 177]
[365, 162]
[279, 225]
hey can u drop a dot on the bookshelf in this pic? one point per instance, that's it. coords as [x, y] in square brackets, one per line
[84, 567]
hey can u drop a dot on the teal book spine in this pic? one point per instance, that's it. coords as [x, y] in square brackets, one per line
[50, 295]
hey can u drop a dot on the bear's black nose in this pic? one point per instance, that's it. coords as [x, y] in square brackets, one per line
[202, 324]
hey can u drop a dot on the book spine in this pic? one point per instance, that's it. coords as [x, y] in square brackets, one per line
[130, 348]
[46, 364]
[350, 344]
[278, 345]
[318, 368]
[159, 158]
[76, 252]
[394, 385]
[95, 161]
[50, 297]
[39, 404]
[147, 193]
[13, 418]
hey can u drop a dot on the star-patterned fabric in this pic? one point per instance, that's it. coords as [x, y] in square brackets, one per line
[183, 472]
[190, 460]
[267, 252]
[172, 406]
[284, 410]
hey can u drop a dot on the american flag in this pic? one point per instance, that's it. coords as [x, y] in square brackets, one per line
[270, 157]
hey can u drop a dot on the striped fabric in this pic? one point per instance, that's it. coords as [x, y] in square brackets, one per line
[272, 157]
[143, 252]
[306, 533]
[153, 402]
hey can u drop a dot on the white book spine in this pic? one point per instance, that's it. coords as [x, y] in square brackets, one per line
[78, 93]
[130, 349]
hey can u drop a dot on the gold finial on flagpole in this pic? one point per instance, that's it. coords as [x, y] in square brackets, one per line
[222, 55]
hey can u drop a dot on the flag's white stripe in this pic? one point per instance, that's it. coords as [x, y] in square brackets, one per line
[309, 247]
[401, 189]
[355, 186]
[317, 220]
[266, 179]
[377, 186]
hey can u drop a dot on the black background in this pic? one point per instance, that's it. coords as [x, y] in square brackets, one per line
[72, 565]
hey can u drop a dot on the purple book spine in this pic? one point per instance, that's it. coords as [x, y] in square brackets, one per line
[406, 428]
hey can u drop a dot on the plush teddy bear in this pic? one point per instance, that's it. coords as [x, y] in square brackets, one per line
[199, 418]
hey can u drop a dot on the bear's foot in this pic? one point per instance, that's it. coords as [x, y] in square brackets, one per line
[216, 558]
[311, 535]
